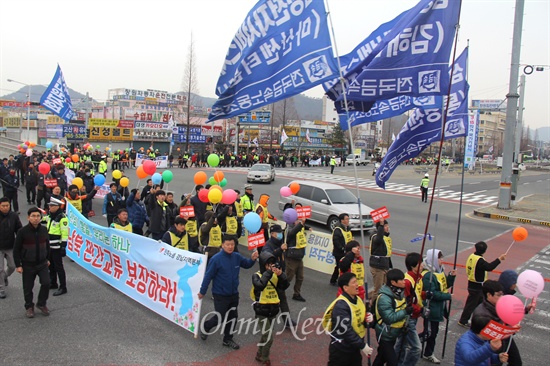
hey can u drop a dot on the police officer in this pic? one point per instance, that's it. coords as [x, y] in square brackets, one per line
[424, 184]
[57, 225]
[247, 199]
[102, 167]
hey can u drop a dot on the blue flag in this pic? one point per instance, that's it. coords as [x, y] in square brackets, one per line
[56, 98]
[281, 49]
[413, 57]
[424, 125]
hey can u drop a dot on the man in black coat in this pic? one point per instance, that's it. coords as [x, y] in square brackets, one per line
[9, 225]
[11, 184]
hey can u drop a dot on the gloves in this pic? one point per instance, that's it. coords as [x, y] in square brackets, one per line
[367, 350]
[369, 318]
[105, 215]
[409, 309]
[429, 295]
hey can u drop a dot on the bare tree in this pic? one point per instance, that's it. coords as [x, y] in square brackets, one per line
[190, 85]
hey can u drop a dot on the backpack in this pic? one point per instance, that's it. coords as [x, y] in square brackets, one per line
[375, 318]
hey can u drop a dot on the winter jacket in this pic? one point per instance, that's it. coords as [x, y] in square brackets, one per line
[9, 225]
[339, 241]
[488, 310]
[223, 269]
[32, 246]
[11, 183]
[31, 178]
[471, 350]
[389, 315]
[199, 207]
[292, 231]
[437, 303]
[137, 214]
[273, 246]
[159, 220]
[341, 318]
[112, 203]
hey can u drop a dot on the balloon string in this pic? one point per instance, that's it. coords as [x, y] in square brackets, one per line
[513, 241]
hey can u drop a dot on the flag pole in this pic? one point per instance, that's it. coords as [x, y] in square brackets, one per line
[341, 74]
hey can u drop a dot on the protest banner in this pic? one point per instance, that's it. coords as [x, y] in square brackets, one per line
[187, 211]
[160, 277]
[495, 330]
[380, 213]
[256, 240]
[160, 161]
[303, 212]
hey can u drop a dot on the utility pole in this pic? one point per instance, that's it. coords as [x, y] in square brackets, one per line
[519, 123]
[511, 112]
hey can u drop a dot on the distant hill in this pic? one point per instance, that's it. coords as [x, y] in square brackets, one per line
[543, 133]
[36, 93]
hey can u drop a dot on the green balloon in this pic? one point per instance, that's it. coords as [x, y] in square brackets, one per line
[167, 176]
[212, 181]
[223, 182]
[97, 146]
[213, 160]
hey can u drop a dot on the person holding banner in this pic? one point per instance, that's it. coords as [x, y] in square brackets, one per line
[474, 349]
[120, 222]
[492, 292]
[177, 236]
[341, 235]
[476, 270]
[223, 270]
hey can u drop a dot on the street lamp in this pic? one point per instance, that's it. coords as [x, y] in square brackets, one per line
[28, 109]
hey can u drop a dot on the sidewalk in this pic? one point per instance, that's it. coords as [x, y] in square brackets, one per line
[533, 209]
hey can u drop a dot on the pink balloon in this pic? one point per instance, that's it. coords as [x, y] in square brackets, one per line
[229, 196]
[28, 152]
[530, 283]
[149, 167]
[510, 309]
[285, 191]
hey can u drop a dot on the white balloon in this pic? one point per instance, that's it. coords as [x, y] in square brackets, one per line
[28, 152]
[530, 283]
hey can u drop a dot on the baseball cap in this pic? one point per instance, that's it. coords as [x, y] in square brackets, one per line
[276, 228]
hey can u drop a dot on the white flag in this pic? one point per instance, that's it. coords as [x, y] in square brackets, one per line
[393, 136]
[255, 141]
[491, 149]
[284, 137]
[307, 136]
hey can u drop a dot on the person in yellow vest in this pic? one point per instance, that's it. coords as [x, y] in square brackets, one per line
[265, 291]
[341, 235]
[102, 167]
[210, 235]
[391, 312]
[247, 199]
[296, 250]
[177, 236]
[76, 199]
[229, 222]
[239, 210]
[408, 346]
[332, 164]
[346, 320]
[380, 256]
[437, 285]
[121, 222]
[476, 270]
[261, 209]
[58, 230]
[424, 184]
[353, 262]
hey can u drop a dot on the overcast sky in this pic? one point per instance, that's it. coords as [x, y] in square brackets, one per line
[137, 44]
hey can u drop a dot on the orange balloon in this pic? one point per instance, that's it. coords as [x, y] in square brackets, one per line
[140, 173]
[200, 178]
[218, 176]
[217, 187]
[75, 158]
[520, 234]
[294, 187]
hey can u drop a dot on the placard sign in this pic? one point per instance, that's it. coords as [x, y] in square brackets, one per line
[187, 211]
[304, 212]
[380, 213]
[496, 330]
[50, 183]
[256, 240]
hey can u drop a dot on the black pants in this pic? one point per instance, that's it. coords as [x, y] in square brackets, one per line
[42, 195]
[338, 357]
[110, 219]
[331, 169]
[475, 297]
[430, 340]
[156, 236]
[29, 275]
[57, 269]
[336, 272]
[137, 230]
[386, 354]
[226, 309]
[14, 200]
[424, 194]
[31, 193]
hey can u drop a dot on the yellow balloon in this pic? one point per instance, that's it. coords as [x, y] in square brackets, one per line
[117, 174]
[214, 196]
[124, 182]
[78, 182]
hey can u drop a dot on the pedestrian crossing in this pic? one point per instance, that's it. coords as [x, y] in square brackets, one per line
[370, 184]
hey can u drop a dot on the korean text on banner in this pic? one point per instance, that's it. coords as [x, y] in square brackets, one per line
[280, 50]
[303, 212]
[380, 213]
[56, 98]
[495, 330]
[162, 278]
[256, 240]
[160, 161]
[318, 254]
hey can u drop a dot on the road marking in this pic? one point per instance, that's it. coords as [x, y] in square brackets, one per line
[474, 183]
[480, 191]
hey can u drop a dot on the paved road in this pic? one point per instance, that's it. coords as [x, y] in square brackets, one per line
[94, 324]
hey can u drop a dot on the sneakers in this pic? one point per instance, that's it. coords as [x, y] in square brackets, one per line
[298, 298]
[2, 294]
[61, 291]
[204, 336]
[231, 344]
[30, 313]
[432, 359]
[258, 357]
[467, 325]
[44, 309]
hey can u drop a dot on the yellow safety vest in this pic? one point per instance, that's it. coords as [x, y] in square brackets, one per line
[239, 209]
[471, 264]
[76, 203]
[127, 228]
[387, 241]
[424, 183]
[246, 203]
[301, 241]
[417, 286]
[348, 236]
[265, 215]
[180, 243]
[214, 237]
[231, 225]
[358, 312]
[358, 269]
[269, 294]
[399, 305]
[442, 279]
[58, 229]
[191, 228]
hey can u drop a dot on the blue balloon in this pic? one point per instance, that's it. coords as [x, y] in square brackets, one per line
[49, 145]
[252, 222]
[99, 180]
[290, 215]
[156, 178]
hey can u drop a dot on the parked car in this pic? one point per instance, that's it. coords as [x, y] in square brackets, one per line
[327, 202]
[261, 173]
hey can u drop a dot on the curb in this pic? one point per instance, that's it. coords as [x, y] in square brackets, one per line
[512, 218]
